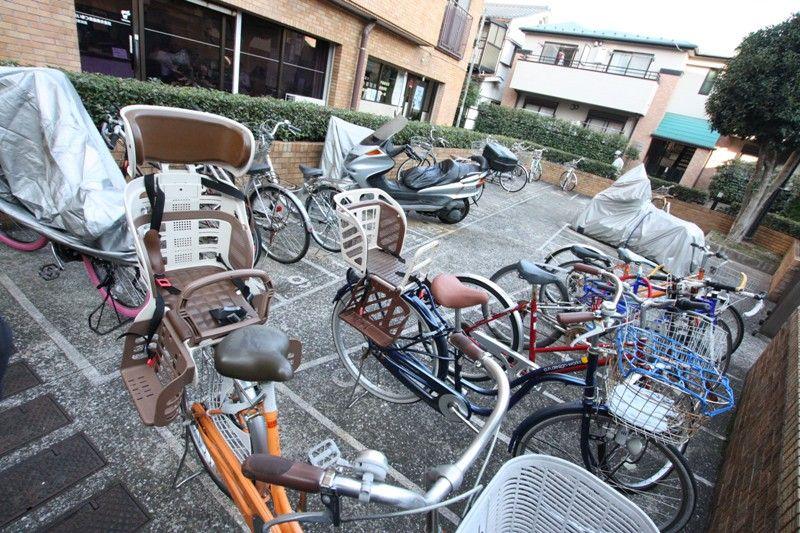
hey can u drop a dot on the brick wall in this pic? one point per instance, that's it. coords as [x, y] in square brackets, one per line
[787, 274]
[286, 156]
[759, 485]
[640, 138]
[40, 33]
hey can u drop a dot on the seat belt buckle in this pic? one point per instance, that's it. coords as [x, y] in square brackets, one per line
[162, 281]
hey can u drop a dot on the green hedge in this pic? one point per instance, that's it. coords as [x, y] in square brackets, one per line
[551, 132]
[782, 224]
[686, 194]
[103, 95]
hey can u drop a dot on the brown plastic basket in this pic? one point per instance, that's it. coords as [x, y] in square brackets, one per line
[376, 311]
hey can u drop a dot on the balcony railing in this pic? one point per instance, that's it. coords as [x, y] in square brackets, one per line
[594, 67]
[455, 30]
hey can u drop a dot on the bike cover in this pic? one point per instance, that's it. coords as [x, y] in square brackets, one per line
[54, 161]
[342, 136]
[623, 215]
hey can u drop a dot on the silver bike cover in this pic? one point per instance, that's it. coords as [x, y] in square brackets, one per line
[624, 215]
[342, 136]
[54, 161]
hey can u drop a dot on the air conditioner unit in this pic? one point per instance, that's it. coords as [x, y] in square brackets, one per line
[300, 98]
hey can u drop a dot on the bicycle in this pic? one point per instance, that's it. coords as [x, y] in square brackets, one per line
[523, 151]
[201, 350]
[662, 197]
[569, 179]
[420, 152]
[286, 226]
[510, 180]
[391, 338]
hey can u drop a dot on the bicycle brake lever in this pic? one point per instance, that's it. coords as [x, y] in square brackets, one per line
[754, 311]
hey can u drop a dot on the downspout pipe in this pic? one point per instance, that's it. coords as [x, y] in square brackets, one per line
[361, 66]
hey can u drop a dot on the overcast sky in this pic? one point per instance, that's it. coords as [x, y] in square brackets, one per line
[716, 26]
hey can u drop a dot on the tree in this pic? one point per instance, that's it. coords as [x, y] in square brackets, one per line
[758, 96]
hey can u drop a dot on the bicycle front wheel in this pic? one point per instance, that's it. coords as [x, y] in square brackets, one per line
[279, 219]
[322, 213]
[362, 359]
[515, 180]
[19, 237]
[732, 318]
[653, 475]
[121, 286]
[568, 180]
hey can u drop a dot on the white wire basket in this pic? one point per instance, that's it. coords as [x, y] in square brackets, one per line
[666, 382]
[543, 494]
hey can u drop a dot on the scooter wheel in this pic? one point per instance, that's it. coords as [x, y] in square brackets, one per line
[454, 212]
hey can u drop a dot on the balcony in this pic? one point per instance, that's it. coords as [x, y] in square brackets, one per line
[456, 25]
[592, 84]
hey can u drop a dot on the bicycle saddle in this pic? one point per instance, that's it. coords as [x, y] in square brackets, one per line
[449, 292]
[254, 353]
[630, 257]
[534, 274]
[310, 172]
[586, 254]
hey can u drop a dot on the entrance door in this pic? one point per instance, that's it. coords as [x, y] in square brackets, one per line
[418, 97]
[668, 159]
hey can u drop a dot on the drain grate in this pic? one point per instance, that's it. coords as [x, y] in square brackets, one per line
[111, 509]
[19, 377]
[31, 482]
[30, 421]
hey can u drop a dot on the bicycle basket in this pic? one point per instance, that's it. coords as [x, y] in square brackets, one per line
[661, 385]
[376, 311]
[547, 494]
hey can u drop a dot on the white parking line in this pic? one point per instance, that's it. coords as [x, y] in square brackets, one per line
[353, 442]
[552, 237]
[703, 480]
[72, 353]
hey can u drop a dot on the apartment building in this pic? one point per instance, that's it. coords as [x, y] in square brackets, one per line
[381, 56]
[649, 89]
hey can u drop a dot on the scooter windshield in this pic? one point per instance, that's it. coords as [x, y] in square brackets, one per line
[386, 131]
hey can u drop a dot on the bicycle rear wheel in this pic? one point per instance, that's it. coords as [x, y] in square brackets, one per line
[122, 287]
[322, 214]
[279, 217]
[362, 359]
[568, 180]
[19, 237]
[515, 180]
[653, 475]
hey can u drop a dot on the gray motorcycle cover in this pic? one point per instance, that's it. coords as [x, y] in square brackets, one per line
[342, 136]
[623, 215]
[54, 161]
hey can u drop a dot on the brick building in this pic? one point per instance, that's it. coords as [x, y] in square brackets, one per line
[413, 61]
[651, 90]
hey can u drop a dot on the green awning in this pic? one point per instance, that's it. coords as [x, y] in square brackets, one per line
[687, 130]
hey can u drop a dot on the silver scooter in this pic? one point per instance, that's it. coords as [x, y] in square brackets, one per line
[444, 190]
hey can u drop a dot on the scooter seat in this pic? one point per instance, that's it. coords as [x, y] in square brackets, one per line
[443, 173]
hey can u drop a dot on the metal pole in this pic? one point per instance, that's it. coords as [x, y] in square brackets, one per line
[465, 89]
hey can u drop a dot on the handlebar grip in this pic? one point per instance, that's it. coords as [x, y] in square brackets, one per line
[659, 277]
[577, 317]
[685, 304]
[720, 286]
[277, 470]
[587, 269]
[465, 345]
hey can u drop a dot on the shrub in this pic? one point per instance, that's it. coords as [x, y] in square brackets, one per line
[782, 224]
[103, 95]
[686, 194]
[730, 180]
[494, 119]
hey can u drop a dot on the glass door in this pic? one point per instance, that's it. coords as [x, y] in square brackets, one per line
[418, 98]
[106, 37]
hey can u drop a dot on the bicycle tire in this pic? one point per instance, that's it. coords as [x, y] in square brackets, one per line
[273, 214]
[673, 462]
[410, 163]
[568, 181]
[535, 173]
[732, 317]
[128, 297]
[324, 194]
[20, 237]
[515, 180]
[543, 339]
[406, 396]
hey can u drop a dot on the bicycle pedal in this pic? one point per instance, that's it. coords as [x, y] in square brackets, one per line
[49, 272]
[324, 455]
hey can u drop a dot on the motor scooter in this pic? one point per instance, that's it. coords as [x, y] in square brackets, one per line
[443, 190]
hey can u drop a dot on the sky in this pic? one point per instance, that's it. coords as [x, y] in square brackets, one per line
[716, 26]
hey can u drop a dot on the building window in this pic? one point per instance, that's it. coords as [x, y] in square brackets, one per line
[540, 106]
[605, 122]
[708, 83]
[184, 43]
[558, 54]
[630, 63]
[105, 37]
[492, 46]
[379, 82]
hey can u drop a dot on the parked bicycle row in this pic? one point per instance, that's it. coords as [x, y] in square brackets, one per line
[651, 350]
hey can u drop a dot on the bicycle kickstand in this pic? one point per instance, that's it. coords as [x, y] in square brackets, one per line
[175, 483]
[353, 399]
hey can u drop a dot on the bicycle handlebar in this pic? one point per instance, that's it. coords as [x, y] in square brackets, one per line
[448, 478]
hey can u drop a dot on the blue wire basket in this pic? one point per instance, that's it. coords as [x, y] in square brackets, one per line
[665, 382]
